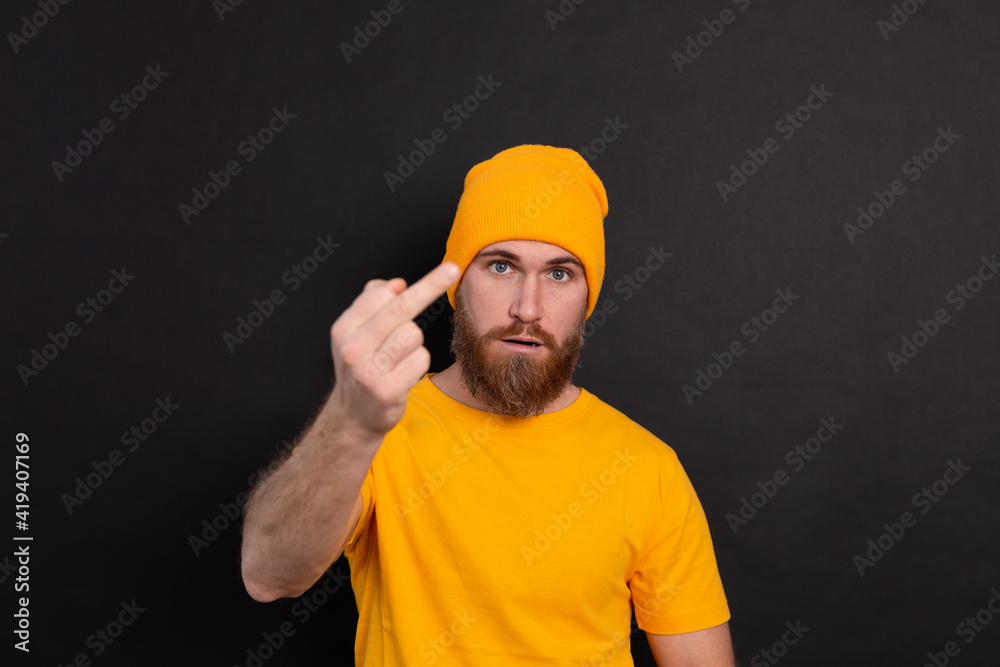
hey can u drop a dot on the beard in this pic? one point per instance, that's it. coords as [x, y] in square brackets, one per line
[513, 383]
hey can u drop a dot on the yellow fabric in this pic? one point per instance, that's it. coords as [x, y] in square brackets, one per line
[487, 540]
[536, 193]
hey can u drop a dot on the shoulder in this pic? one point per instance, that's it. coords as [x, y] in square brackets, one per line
[612, 423]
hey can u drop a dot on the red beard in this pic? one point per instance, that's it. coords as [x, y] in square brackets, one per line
[510, 382]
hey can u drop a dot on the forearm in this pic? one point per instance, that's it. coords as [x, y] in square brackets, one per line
[296, 520]
[712, 647]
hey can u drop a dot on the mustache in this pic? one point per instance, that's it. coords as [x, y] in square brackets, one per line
[500, 333]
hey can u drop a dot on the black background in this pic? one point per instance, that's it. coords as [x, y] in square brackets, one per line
[323, 176]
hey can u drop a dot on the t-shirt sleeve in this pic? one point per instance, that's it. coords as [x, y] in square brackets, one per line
[676, 587]
[367, 510]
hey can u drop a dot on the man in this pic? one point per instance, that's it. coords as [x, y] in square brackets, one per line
[493, 513]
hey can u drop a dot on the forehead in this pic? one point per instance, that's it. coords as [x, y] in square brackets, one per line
[523, 249]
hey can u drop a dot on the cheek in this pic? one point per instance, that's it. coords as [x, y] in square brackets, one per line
[484, 316]
[572, 305]
[492, 302]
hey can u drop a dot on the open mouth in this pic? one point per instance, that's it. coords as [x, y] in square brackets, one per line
[521, 342]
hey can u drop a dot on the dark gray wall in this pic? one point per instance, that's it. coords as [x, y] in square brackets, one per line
[678, 128]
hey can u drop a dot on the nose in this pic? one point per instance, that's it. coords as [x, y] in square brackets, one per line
[526, 304]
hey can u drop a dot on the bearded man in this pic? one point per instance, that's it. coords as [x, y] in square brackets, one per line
[493, 513]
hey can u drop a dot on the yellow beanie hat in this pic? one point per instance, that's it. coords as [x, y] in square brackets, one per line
[534, 193]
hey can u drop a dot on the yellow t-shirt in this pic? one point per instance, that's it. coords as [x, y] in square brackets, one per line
[488, 540]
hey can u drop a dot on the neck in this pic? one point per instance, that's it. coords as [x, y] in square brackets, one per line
[450, 382]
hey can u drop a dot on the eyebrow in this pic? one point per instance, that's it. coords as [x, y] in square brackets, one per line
[567, 259]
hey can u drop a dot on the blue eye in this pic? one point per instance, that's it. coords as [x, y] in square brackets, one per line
[560, 275]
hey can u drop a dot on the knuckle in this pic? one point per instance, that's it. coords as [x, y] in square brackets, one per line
[383, 393]
[411, 333]
[400, 306]
[357, 385]
[425, 354]
[350, 352]
[422, 358]
[391, 350]
[369, 373]
[382, 361]
[337, 332]
[368, 376]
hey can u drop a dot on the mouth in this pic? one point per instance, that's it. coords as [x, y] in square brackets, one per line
[523, 341]
[522, 344]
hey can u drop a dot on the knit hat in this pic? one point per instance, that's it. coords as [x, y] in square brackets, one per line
[535, 193]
